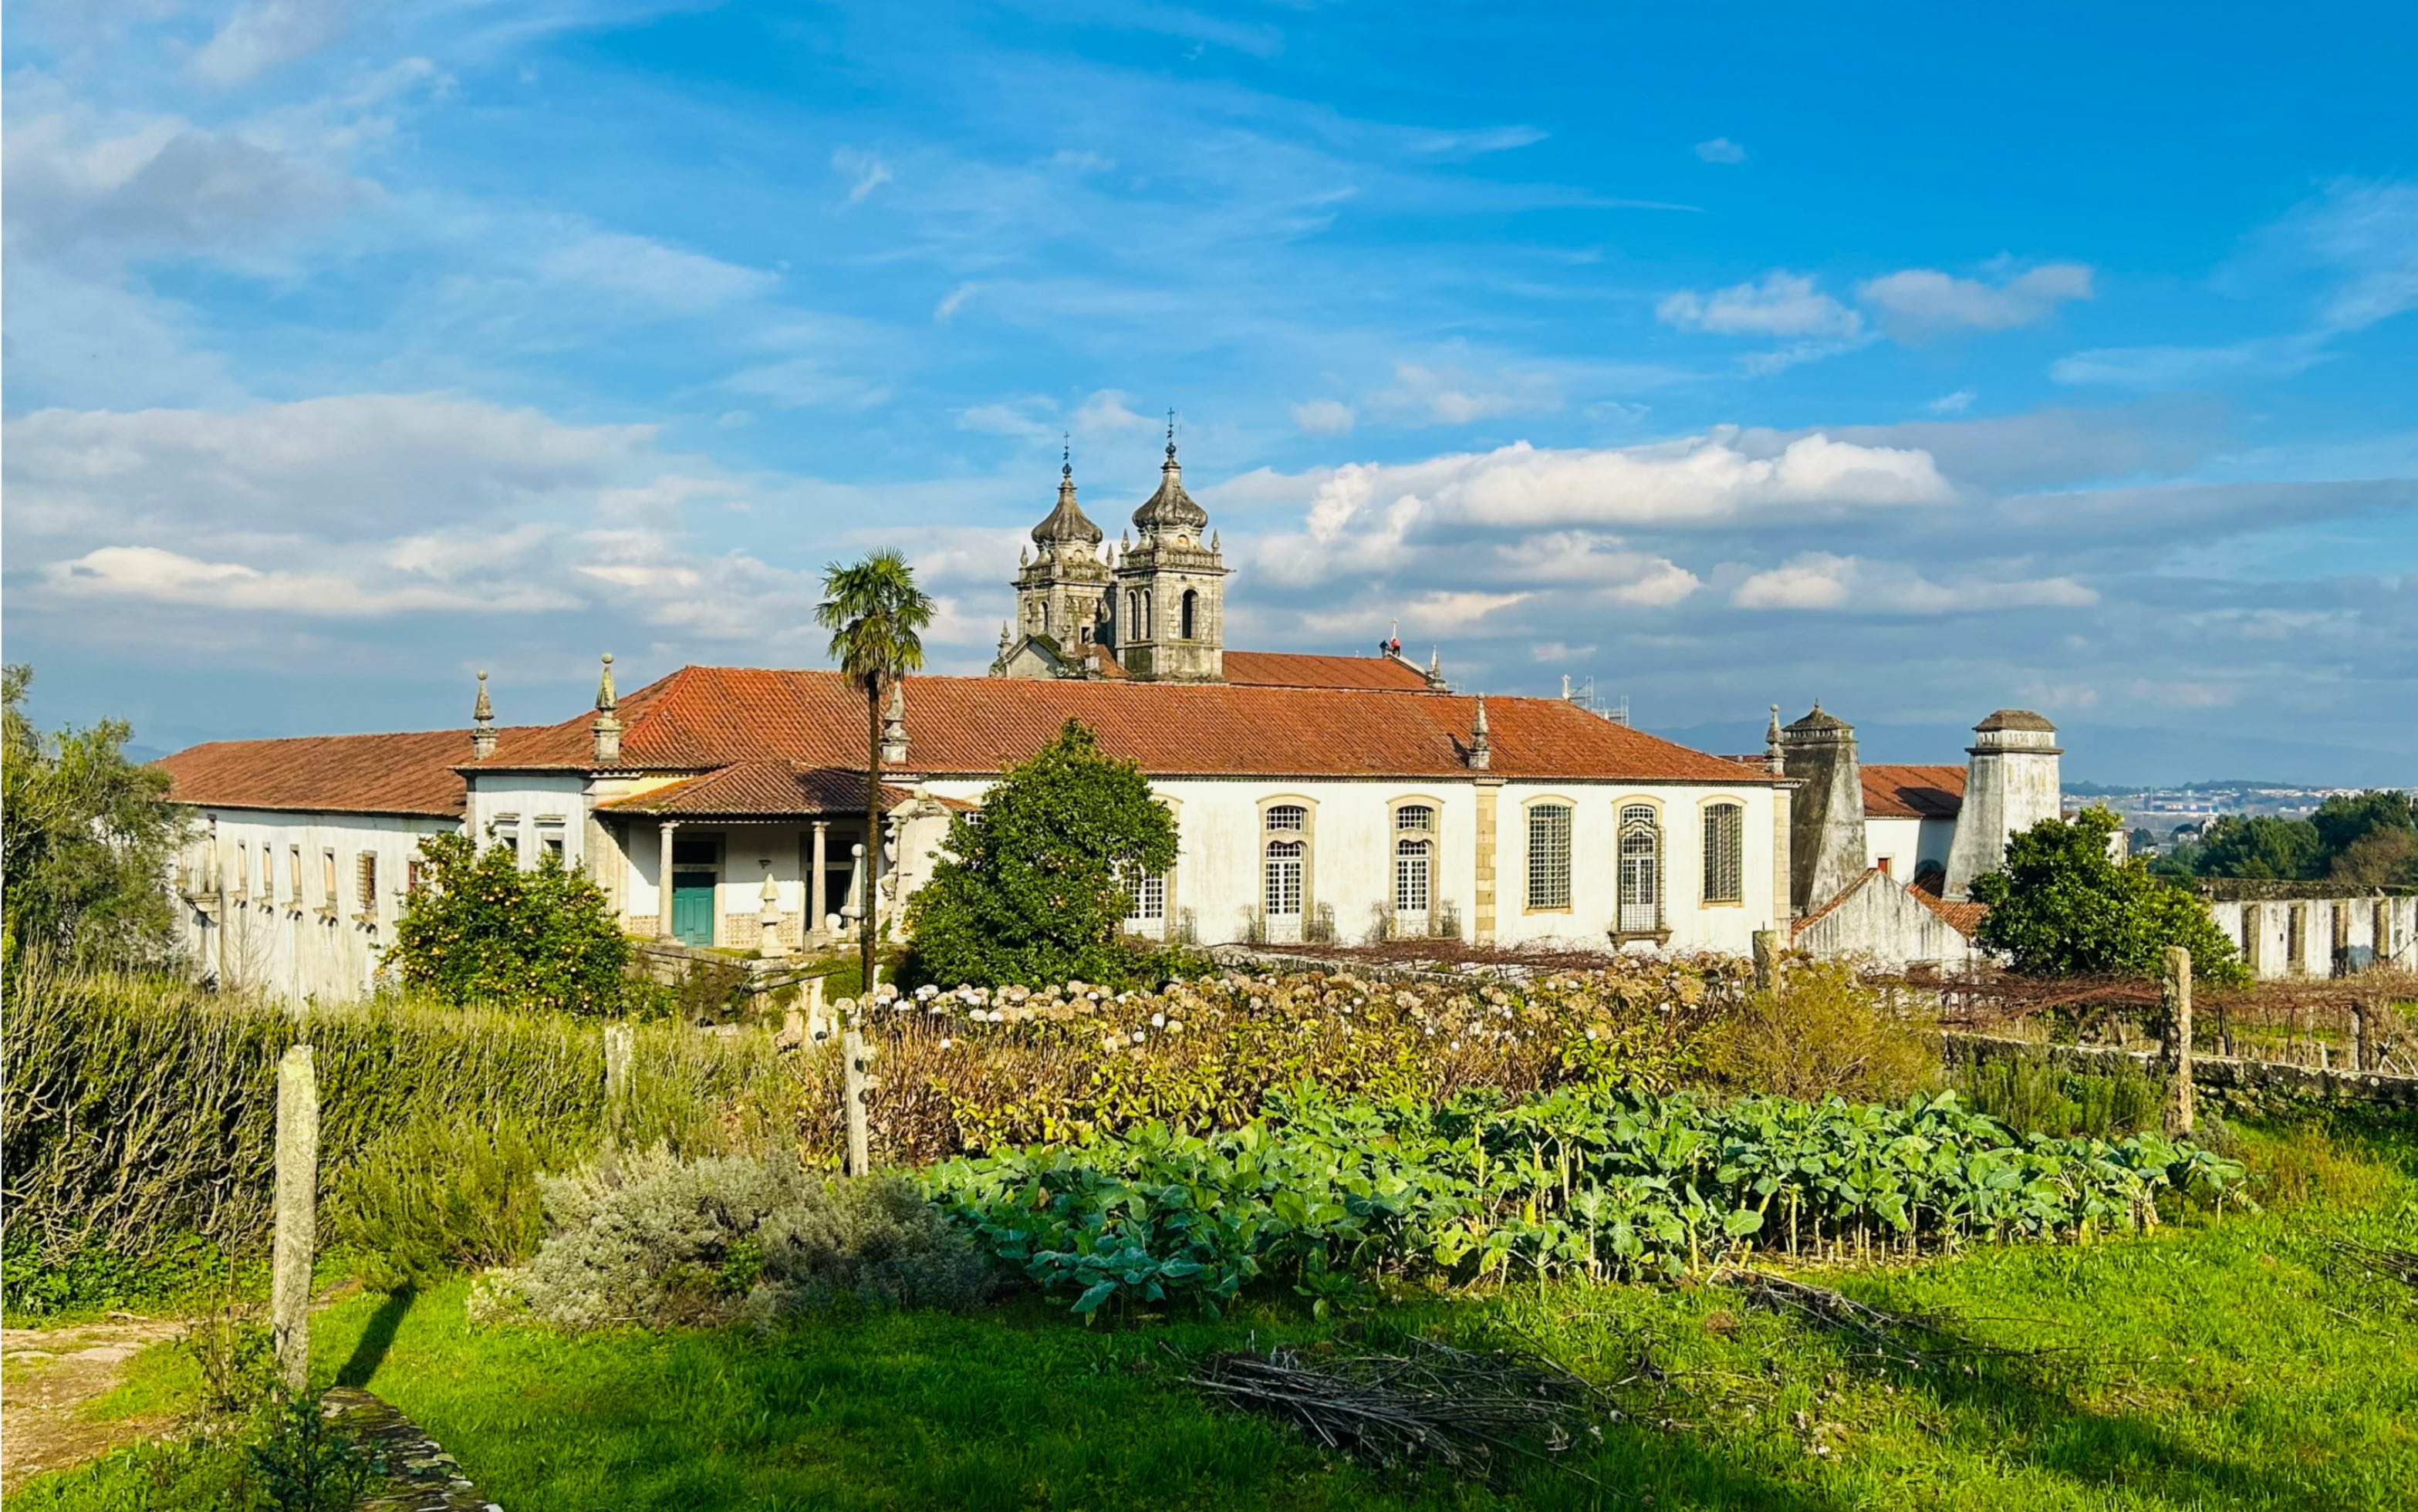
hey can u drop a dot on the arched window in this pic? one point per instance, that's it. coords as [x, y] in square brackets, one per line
[1549, 856]
[1414, 861]
[1192, 608]
[1283, 877]
[1725, 833]
[1044, 617]
[1641, 870]
[1418, 816]
[1142, 624]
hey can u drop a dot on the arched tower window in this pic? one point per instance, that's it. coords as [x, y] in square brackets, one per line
[1192, 608]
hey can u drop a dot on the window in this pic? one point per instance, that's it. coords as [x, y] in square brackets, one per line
[549, 839]
[1549, 856]
[267, 874]
[1640, 871]
[1149, 893]
[328, 879]
[1412, 859]
[294, 875]
[1887, 866]
[1724, 829]
[1289, 816]
[1284, 878]
[506, 831]
[365, 882]
[242, 866]
[1191, 607]
[1418, 816]
[411, 874]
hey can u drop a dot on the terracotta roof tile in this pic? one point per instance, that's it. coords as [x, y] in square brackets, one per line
[701, 718]
[762, 787]
[1913, 792]
[1285, 670]
[412, 773]
[1962, 917]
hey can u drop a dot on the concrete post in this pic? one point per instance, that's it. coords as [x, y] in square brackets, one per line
[2178, 1034]
[817, 1013]
[298, 1216]
[618, 1042]
[664, 881]
[817, 911]
[855, 1083]
[1766, 959]
[2358, 1038]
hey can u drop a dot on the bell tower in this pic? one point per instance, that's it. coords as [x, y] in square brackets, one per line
[1060, 587]
[1168, 607]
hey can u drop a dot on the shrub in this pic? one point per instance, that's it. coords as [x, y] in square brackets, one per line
[446, 1193]
[479, 929]
[2032, 1097]
[1035, 885]
[2064, 907]
[1822, 1034]
[649, 1238]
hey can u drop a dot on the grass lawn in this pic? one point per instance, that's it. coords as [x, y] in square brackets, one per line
[2232, 1363]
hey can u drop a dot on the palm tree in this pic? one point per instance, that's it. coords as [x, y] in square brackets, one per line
[874, 611]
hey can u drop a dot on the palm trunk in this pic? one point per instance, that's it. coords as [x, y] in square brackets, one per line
[872, 835]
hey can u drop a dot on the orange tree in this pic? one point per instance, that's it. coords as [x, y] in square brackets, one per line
[477, 929]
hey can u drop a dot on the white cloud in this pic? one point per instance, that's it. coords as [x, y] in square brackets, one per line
[1438, 612]
[1104, 414]
[1032, 418]
[1586, 559]
[264, 34]
[1821, 580]
[1322, 417]
[342, 468]
[1951, 404]
[152, 576]
[1921, 302]
[952, 302]
[651, 276]
[1457, 145]
[1452, 396]
[1720, 149]
[2171, 367]
[1783, 304]
[1559, 650]
[863, 172]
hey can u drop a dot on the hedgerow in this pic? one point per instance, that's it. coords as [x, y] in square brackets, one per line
[1326, 1195]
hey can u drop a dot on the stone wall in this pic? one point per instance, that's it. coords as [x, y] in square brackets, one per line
[2240, 1083]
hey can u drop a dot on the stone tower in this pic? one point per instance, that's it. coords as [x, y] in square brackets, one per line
[2011, 784]
[1170, 606]
[1826, 824]
[1060, 591]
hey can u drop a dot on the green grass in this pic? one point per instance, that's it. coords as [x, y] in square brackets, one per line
[2229, 1364]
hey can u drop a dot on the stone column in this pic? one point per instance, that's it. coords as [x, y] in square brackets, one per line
[664, 883]
[816, 911]
[298, 1216]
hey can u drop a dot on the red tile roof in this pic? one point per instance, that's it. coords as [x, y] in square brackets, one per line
[1285, 670]
[762, 787]
[702, 718]
[1913, 792]
[412, 774]
[1962, 917]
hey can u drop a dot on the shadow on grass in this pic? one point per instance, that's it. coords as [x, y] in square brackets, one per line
[378, 1336]
[2012, 1406]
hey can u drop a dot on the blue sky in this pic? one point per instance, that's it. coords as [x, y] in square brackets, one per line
[1924, 360]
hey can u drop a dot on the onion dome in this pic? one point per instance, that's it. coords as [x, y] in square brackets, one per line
[1171, 507]
[1067, 522]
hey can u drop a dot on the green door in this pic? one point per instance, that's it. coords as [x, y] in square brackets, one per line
[693, 908]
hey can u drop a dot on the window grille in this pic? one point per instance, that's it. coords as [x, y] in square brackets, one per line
[1418, 816]
[1724, 829]
[1641, 870]
[1289, 816]
[365, 882]
[1148, 891]
[1549, 856]
[1284, 878]
[1411, 874]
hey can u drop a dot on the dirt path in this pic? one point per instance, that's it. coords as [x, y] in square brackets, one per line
[47, 1374]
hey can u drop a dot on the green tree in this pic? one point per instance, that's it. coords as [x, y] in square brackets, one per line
[2259, 846]
[1035, 885]
[876, 616]
[2369, 838]
[2381, 858]
[89, 838]
[2063, 906]
[477, 929]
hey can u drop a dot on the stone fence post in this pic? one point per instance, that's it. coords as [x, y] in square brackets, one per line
[2178, 1034]
[1766, 959]
[298, 1216]
[620, 1043]
[854, 1058]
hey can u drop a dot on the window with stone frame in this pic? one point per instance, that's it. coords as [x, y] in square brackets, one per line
[1414, 873]
[1292, 817]
[268, 874]
[328, 877]
[549, 839]
[293, 875]
[242, 867]
[1549, 856]
[1148, 891]
[1724, 837]
[1641, 870]
[365, 882]
[1283, 878]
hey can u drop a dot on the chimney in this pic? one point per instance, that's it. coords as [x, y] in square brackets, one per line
[1481, 751]
[2011, 784]
[1826, 825]
[607, 728]
[893, 726]
[483, 723]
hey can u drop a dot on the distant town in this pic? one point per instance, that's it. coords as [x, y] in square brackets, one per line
[2164, 813]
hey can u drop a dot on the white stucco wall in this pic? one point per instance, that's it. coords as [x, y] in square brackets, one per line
[1881, 922]
[296, 941]
[1908, 844]
[2262, 931]
[531, 804]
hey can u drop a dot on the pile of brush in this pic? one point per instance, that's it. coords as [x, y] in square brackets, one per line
[1469, 1413]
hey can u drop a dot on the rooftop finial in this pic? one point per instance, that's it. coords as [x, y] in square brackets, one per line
[1772, 761]
[608, 728]
[1170, 435]
[1066, 454]
[1482, 750]
[482, 721]
[894, 724]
